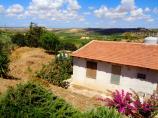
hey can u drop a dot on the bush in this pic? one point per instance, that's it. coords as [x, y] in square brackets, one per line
[67, 46]
[4, 60]
[102, 112]
[33, 101]
[19, 39]
[49, 41]
[56, 72]
[33, 35]
[131, 105]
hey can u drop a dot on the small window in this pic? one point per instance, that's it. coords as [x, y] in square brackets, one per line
[91, 69]
[141, 76]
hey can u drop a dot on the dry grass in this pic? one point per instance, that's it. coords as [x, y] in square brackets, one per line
[26, 61]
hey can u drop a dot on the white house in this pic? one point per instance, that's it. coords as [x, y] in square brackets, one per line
[103, 65]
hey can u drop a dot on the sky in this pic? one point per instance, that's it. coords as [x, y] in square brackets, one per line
[80, 13]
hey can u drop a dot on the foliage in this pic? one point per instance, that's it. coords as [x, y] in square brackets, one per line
[68, 46]
[31, 100]
[102, 112]
[49, 41]
[33, 35]
[5, 39]
[4, 60]
[56, 72]
[130, 105]
[19, 39]
[121, 101]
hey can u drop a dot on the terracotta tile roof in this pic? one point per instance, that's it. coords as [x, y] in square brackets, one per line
[133, 54]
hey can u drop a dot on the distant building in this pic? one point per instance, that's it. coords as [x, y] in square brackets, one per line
[103, 65]
[85, 37]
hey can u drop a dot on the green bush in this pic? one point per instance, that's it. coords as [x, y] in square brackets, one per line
[56, 72]
[49, 41]
[67, 46]
[4, 60]
[31, 100]
[19, 39]
[102, 112]
[33, 35]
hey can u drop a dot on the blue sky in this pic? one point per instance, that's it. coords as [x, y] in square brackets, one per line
[80, 13]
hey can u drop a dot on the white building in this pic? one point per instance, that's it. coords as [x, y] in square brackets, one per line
[103, 65]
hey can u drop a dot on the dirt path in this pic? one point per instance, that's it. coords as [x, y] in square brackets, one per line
[26, 61]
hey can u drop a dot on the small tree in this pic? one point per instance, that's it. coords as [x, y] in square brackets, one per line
[33, 35]
[19, 39]
[49, 41]
[4, 60]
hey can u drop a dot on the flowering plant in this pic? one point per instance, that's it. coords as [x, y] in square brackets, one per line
[131, 104]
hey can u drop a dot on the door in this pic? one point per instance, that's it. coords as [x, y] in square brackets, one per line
[115, 74]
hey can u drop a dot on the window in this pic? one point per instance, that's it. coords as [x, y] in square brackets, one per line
[141, 76]
[115, 74]
[91, 69]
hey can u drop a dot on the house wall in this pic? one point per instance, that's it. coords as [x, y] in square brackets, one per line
[102, 82]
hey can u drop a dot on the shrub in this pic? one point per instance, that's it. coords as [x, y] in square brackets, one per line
[31, 100]
[102, 112]
[67, 46]
[33, 35]
[49, 41]
[19, 39]
[56, 72]
[4, 60]
[131, 105]
[121, 101]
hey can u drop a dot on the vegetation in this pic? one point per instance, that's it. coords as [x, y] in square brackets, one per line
[19, 39]
[57, 71]
[49, 41]
[33, 35]
[31, 100]
[131, 105]
[102, 112]
[4, 60]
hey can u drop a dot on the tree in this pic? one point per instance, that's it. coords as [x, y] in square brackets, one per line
[19, 39]
[4, 60]
[49, 41]
[34, 34]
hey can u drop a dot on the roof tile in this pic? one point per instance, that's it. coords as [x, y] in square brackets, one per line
[133, 54]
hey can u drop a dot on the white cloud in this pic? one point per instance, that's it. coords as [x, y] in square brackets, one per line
[155, 10]
[127, 10]
[54, 9]
[1, 9]
[104, 12]
[15, 9]
[46, 9]
[147, 9]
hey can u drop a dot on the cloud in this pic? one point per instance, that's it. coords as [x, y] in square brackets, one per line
[147, 10]
[54, 9]
[15, 9]
[1, 9]
[155, 10]
[127, 11]
[46, 9]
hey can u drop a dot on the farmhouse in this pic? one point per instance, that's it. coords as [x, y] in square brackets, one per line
[103, 65]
